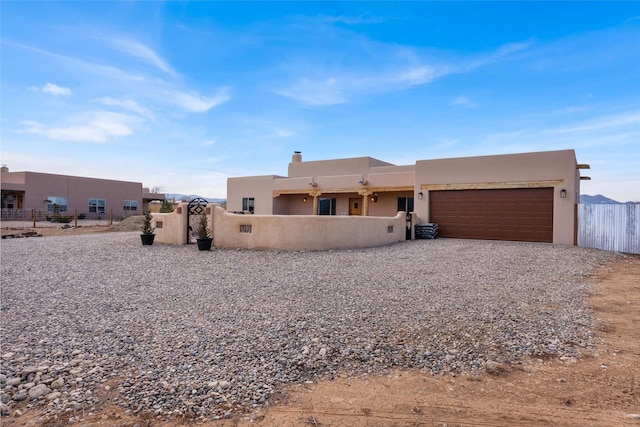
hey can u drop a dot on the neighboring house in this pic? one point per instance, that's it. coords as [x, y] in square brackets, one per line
[525, 197]
[22, 192]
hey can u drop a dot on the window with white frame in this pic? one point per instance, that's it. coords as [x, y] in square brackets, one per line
[130, 205]
[97, 205]
[56, 203]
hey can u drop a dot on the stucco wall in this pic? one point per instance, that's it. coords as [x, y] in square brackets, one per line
[304, 232]
[284, 232]
[77, 190]
[358, 165]
[258, 187]
[556, 169]
[174, 226]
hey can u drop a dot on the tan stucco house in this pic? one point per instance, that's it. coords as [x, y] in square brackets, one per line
[524, 197]
[22, 192]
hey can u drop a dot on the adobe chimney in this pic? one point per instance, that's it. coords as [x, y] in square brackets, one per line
[297, 157]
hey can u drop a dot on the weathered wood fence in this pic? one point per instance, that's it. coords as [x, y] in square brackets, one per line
[610, 227]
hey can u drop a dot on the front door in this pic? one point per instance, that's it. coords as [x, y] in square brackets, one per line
[355, 206]
[406, 204]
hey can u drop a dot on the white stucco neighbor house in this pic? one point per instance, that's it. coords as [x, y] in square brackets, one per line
[522, 197]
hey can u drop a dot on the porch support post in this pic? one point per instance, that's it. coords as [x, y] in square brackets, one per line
[315, 195]
[365, 201]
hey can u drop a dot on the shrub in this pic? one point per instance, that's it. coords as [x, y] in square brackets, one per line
[167, 207]
[202, 227]
[146, 225]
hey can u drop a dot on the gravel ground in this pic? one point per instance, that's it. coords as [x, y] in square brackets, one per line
[173, 331]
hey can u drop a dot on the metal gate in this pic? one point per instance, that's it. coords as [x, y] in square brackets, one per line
[195, 207]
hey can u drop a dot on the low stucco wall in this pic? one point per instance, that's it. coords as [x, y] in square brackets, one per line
[304, 232]
[284, 232]
[174, 226]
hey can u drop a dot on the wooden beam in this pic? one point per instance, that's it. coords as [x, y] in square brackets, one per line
[493, 185]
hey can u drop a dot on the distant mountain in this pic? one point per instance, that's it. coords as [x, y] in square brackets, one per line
[178, 197]
[597, 199]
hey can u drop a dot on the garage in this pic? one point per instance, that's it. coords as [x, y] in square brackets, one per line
[521, 214]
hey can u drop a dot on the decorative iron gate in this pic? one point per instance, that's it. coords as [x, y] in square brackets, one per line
[196, 207]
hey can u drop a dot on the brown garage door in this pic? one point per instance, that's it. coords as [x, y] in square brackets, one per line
[524, 214]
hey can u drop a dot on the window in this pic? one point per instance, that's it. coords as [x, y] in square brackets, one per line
[130, 205]
[405, 204]
[56, 204]
[97, 205]
[327, 206]
[248, 204]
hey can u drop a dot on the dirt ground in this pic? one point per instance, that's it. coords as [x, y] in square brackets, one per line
[602, 388]
[19, 232]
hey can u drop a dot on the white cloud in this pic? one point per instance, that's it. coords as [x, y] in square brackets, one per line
[601, 123]
[377, 73]
[417, 75]
[283, 133]
[351, 20]
[94, 127]
[127, 104]
[52, 89]
[463, 101]
[198, 103]
[312, 92]
[143, 52]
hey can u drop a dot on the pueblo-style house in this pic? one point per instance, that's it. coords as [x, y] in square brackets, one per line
[26, 192]
[522, 197]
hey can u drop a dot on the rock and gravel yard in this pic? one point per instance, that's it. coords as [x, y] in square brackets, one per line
[168, 330]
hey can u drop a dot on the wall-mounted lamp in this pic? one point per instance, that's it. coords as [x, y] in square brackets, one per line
[305, 200]
[563, 194]
[374, 198]
[312, 184]
[420, 195]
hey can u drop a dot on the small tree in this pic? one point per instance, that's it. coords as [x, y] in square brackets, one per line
[146, 225]
[166, 207]
[202, 229]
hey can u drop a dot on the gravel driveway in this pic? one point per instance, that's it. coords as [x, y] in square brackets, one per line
[172, 330]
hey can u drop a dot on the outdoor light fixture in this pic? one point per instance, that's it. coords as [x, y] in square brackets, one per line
[420, 195]
[374, 198]
[304, 199]
[563, 194]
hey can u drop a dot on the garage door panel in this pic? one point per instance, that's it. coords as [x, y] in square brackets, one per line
[507, 214]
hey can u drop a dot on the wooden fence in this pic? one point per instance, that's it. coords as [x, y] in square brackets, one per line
[612, 227]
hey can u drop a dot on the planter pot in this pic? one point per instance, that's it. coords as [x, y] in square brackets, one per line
[204, 244]
[147, 239]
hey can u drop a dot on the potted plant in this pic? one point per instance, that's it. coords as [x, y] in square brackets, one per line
[203, 233]
[147, 235]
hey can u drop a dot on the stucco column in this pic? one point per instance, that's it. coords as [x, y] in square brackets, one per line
[315, 195]
[365, 201]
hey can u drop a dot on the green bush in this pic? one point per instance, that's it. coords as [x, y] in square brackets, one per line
[167, 207]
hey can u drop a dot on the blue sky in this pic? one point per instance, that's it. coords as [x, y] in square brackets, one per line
[183, 95]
